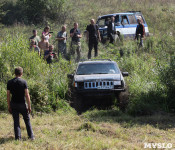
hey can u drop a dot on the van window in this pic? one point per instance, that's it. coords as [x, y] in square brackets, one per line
[124, 20]
[116, 18]
[140, 16]
[102, 22]
[132, 19]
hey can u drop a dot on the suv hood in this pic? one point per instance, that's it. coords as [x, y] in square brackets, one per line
[97, 77]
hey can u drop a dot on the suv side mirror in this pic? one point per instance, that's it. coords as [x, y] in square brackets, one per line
[125, 74]
[118, 24]
[70, 76]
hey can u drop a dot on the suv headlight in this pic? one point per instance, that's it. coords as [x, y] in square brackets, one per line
[117, 82]
[75, 84]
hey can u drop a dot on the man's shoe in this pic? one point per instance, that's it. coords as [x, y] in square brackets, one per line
[32, 138]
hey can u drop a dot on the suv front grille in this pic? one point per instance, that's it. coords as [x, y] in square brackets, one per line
[99, 85]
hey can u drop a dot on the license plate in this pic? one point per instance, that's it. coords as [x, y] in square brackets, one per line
[105, 87]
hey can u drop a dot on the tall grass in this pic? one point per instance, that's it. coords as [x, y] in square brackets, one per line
[47, 84]
[151, 69]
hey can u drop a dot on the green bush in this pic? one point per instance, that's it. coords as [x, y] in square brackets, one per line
[34, 11]
[47, 84]
[3, 99]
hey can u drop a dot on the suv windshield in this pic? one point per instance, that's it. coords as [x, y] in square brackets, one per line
[98, 68]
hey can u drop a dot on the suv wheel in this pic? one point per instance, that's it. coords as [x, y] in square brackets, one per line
[77, 102]
[123, 100]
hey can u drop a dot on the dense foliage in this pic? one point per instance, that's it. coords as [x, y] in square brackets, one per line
[33, 11]
[152, 69]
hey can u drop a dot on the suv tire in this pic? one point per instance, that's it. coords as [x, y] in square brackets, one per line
[77, 102]
[123, 99]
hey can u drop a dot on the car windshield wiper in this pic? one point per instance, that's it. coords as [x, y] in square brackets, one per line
[100, 73]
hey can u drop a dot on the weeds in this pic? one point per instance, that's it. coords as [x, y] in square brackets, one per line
[151, 68]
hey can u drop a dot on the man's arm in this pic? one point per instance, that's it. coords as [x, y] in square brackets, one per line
[143, 30]
[87, 35]
[28, 100]
[8, 101]
[99, 36]
[72, 32]
[60, 38]
[79, 35]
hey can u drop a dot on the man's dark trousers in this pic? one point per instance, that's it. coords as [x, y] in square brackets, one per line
[21, 109]
[110, 35]
[93, 43]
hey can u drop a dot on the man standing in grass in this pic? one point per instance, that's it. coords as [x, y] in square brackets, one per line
[75, 34]
[35, 37]
[62, 39]
[17, 87]
[111, 29]
[140, 32]
[93, 36]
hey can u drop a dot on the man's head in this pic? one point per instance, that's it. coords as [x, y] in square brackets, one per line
[92, 21]
[18, 71]
[76, 25]
[35, 32]
[139, 20]
[63, 28]
[112, 18]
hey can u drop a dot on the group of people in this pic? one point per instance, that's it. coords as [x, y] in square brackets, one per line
[139, 35]
[43, 47]
[92, 35]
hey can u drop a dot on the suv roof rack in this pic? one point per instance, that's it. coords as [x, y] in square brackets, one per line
[134, 12]
[81, 60]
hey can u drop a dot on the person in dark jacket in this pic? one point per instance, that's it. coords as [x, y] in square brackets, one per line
[111, 29]
[75, 34]
[93, 36]
[17, 87]
[140, 32]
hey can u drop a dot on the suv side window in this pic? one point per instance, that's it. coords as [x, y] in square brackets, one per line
[101, 22]
[141, 18]
[116, 18]
[124, 20]
[132, 19]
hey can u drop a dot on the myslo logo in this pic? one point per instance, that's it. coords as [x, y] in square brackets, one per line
[158, 145]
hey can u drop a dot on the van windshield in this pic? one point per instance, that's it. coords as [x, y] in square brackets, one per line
[104, 21]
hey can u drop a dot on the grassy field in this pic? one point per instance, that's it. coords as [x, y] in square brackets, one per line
[151, 83]
[94, 130]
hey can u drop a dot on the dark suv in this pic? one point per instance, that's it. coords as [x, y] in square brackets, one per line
[96, 78]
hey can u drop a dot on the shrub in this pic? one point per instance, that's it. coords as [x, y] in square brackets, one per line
[47, 84]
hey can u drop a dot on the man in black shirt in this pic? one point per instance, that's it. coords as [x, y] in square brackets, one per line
[111, 29]
[140, 32]
[49, 55]
[75, 34]
[17, 87]
[93, 35]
